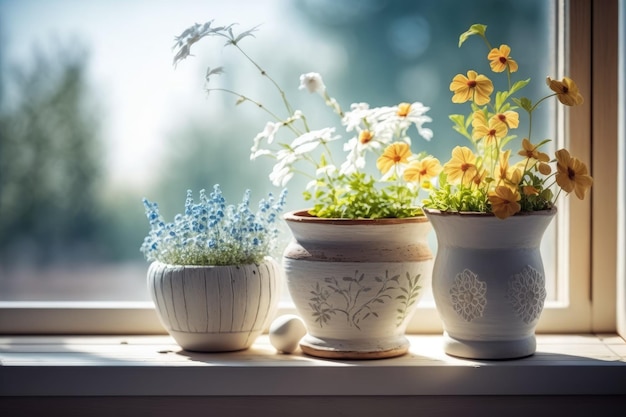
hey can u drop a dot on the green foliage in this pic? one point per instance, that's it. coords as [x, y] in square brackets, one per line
[461, 124]
[534, 202]
[475, 29]
[50, 156]
[448, 197]
[524, 103]
[360, 196]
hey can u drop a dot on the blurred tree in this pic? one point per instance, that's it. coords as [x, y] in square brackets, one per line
[400, 50]
[49, 158]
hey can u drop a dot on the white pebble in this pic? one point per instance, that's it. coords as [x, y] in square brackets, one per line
[286, 332]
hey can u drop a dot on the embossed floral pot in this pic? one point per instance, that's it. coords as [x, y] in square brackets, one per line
[356, 283]
[489, 282]
[215, 308]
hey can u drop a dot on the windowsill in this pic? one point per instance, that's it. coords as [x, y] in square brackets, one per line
[85, 366]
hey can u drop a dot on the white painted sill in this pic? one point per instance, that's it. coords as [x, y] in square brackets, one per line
[117, 366]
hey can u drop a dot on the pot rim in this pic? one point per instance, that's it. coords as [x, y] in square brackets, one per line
[303, 216]
[266, 259]
[479, 214]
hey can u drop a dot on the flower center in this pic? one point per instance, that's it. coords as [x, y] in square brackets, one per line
[492, 133]
[365, 136]
[571, 174]
[465, 167]
[471, 83]
[502, 59]
[397, 158]
[403, 109]
[565, 90]
[502, 117]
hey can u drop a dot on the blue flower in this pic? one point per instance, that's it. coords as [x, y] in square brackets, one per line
[213, 233]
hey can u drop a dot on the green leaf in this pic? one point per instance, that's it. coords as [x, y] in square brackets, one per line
[507, 139]
[460, 124]
[524, 103]
[501, 97]
[475, 29]
[458, 119]
[518, 86]
[543, 142]
[323, 162]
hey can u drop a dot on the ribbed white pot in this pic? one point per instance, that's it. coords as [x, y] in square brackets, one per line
[215, 308]
[489, 282]
[356, 283]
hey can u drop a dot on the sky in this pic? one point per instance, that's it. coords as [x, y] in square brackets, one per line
[130, 43]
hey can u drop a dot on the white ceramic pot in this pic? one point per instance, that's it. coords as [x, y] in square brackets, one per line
[356, 283]
[215, 308]
[489, 282]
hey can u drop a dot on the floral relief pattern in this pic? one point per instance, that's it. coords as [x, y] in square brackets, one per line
[468, 295]
[357, 299]
[527, 294]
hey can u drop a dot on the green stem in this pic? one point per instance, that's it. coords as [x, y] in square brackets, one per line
[530, 123]
[265, 74]
[306, 125]
[328, 101]
[256, 103]
[329, 153]
[508, 75]
[541, 101]
[486, 42]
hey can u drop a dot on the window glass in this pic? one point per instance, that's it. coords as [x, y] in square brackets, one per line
[94, 116]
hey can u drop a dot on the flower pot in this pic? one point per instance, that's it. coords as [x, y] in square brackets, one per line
[489, 282]
[356, 283]
[215, 308]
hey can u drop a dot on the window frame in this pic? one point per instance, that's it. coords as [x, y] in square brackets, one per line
[621, 176]
[586, 304]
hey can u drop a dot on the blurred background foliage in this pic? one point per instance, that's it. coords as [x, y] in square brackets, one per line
[50, 167]
[55, 207]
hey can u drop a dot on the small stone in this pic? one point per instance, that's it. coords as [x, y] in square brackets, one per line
[286, 332]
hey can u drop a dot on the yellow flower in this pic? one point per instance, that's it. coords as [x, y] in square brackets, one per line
[530, 151]
[509, 118]
[530, 190]
[544, 168]
[404, 109]
[504, 202]
[461, 168]
[365, 136]
[473, 87]
[566, 91]
[509, 176]
[503, 166]
[572, 174]
[500, 59]
[515, 176]
[424, 170]
[479, 178]
[490, 132]
[394, 154]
